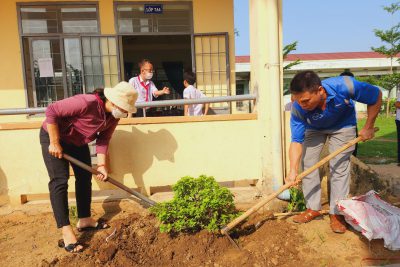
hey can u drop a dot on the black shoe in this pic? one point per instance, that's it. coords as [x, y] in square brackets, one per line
[71, 247]
[100, 225]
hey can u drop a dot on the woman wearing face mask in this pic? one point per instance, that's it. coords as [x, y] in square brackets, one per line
[145, 87]
[70, 125]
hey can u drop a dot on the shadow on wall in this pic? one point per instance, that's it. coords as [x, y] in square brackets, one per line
[4, 198]
[136, 151]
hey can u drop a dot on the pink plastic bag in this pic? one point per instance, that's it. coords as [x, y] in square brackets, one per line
[373, 217]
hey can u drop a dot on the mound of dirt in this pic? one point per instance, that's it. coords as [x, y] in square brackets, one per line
[29, 237]
[136, 241]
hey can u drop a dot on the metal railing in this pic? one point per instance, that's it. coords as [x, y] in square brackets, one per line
[152, 104]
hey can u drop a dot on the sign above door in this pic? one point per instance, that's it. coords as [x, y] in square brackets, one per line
[153, 8]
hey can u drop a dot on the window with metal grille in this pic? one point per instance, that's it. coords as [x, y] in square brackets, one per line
[100, 61]
[174, 18]
[61, 57]
[212, 65]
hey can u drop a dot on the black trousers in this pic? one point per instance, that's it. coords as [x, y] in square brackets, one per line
[58, 170]
[356, 145]
[398, 140]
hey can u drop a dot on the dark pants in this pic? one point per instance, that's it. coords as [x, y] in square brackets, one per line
[398, 140]
[356, 145]
[58, 170]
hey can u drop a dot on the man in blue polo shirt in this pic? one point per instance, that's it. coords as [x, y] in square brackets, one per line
[324, 111]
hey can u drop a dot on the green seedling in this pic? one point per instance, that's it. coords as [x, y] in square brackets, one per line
[198, 203]
[73, 215]
[297, 201]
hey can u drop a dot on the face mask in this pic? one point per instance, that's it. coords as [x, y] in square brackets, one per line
[148, 75]
[118, 114]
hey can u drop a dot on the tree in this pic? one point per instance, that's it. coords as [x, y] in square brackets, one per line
[286, 51]
[384, 81]
[393, 8]
[391, 49]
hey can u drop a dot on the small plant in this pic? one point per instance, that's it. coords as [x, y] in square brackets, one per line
[198, 203]
[73, 215]
[392, 108]
[297, 201]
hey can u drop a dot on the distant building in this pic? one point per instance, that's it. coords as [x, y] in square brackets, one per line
[326, 65]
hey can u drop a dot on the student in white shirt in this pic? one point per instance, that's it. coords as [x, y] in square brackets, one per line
[191, 92]
[145, 87]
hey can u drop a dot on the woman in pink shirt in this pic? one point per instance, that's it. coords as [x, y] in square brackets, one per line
[70, 125]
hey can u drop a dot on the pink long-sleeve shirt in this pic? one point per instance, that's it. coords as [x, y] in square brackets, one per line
[82, 119]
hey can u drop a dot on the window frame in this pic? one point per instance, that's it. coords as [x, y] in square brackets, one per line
[57, 4]
[118, 55]
[225, 36]
[64, 82]
[60, 36]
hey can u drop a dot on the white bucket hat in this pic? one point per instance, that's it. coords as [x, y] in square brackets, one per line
[122, 95]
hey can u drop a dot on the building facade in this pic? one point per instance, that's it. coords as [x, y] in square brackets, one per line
[55, 49]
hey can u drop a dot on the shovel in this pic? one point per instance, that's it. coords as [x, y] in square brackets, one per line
[299, 177]
[109, 179]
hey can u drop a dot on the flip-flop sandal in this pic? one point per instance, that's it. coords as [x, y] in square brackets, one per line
[307, 216]
[71, 247]
[100, 225]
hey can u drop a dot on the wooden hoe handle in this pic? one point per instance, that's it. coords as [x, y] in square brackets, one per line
[299, 177]
[109, 179]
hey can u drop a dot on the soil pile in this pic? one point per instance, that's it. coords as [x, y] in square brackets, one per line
[136, 241]
[29, 238]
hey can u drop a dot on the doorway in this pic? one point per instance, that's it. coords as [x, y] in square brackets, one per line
[171, 56]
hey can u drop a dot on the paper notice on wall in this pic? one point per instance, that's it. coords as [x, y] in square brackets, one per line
[46, 67]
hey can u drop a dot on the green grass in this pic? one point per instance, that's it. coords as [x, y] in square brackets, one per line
[387, 127]
[374, 150]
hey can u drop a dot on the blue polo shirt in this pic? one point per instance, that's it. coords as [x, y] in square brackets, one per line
[339, 112]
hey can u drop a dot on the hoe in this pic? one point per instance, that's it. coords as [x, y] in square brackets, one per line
[225, 230]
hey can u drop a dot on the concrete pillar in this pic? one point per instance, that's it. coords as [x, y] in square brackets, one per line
[266, 82]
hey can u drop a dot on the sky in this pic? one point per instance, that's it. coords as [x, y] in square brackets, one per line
[321, 26]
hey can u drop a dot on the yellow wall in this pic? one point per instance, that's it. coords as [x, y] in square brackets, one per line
[11, 79]
[106, 14]
[142, 155]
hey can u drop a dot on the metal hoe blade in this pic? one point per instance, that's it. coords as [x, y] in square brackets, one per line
[225, 231]
[232, 241]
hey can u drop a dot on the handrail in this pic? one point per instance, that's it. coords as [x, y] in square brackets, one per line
[161, 103]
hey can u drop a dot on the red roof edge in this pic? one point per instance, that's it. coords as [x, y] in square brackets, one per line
[322, 56]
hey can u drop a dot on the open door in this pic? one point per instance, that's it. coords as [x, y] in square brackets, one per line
[170, 54]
